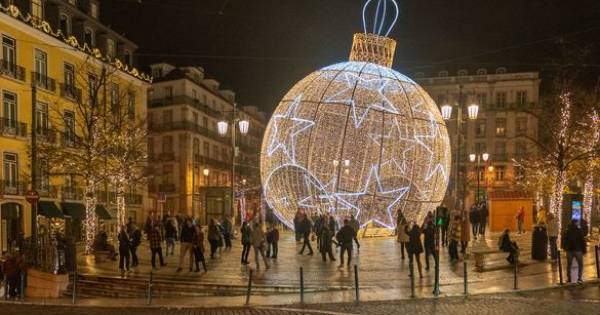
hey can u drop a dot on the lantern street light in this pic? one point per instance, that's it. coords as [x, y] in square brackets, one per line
[223, 128]
[473, 113]
[478, 158]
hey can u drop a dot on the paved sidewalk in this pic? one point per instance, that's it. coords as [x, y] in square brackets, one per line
[558, 301]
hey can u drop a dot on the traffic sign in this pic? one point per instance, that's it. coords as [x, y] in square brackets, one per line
[32, 196]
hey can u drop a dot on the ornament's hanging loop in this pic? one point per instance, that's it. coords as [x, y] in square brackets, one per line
[380, 17]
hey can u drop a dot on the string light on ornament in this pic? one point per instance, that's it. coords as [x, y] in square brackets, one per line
[357, 138]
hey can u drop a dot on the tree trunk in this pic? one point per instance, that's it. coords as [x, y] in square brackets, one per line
[90, 218]
[588, 195]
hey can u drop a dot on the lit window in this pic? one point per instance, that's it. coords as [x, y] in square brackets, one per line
[94, 10]
[501, 127]
[37, 10]
[481, 71]
[500, 170]
[111, 48]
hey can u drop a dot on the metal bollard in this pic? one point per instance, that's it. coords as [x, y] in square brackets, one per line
[356, 285]
[436, 285]
[560, 270]
[301, 285]
[6, 288]
[22, 292]
[412, 279]
[516, 270]
[74, 296]
[465, 277]
[597, 263]
[150, 288]
[249, 288]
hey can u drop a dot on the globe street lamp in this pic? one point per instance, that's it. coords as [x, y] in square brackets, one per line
[473, 112]
[478, 158]
[223, 127]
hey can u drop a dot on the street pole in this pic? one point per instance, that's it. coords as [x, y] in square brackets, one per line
[193, 188]
[458, 124]
[233, 126]
[477, 172]
[34, 205]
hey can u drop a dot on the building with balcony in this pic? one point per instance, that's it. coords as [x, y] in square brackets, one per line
[505, 128]
[46, 47]
[191, 161]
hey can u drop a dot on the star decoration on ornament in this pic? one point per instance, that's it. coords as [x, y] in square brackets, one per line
[318, 196]
[400, 163]
[381, 216]
[298, 125]
[422, 140]
[373, 97]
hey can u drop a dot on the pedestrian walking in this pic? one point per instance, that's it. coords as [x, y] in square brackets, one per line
[345, 237]
[186, 243]
[415, 247]
[428, 229]
[552, 230]
[454, 230]
[574, 244]
[12, 268]
[214, 237]
[306, 228]
[272, 241]
[245, 231]
[227, 232]
[298, 219]
[198, 244]
[136, 240]
[474, 219]
[155, 240]
[258, 243]
[483, 218]
[326, 245]
[170, 236]
[520, 220]
[465, 234]
[355, 226]
[124, 248]
[443, 218]
[402, 235]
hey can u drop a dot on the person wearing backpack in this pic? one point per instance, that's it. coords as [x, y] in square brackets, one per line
[136, 240]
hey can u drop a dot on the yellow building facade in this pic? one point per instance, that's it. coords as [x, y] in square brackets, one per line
[50, 60]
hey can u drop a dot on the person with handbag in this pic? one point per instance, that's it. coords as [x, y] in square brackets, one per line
[198, 244]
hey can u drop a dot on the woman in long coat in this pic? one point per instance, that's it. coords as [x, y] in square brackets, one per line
[415, 247]
[465, 236]
[402, 235]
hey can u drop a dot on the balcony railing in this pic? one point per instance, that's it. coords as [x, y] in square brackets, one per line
[11, 127]
[12, 70]
[70, 141]
[43, 81]
[212, 162]
[47, 135]
[184, 100]
[70, 91]
[71, 193]
[130, 198]
[189, 126]
[47, 191]
[11, 187]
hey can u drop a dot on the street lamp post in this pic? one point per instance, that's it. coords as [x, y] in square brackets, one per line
[205, 172]
[223, 126]
[473, 112]
[477, 158]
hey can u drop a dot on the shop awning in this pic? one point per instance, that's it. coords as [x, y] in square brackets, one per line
[10, 210]
[102, 213]
[49, 209]
[73, 209]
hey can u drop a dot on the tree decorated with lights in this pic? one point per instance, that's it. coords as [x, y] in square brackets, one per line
[357, 138]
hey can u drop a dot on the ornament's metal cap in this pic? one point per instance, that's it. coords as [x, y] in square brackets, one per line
[367, 47]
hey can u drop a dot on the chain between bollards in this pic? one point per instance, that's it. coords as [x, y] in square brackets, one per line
[74, 296]
[465, 277]
[150, 288]
[597, 262]
[301, 285]
[249, 287]
[412, 279]
[560, 269]
[356, 285]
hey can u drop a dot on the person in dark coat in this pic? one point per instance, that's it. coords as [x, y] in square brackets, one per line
[345, 237]
[474, 219]
[170, 236]
[227, 231]
[155, 240]
[214, 237]
[415, 248]
[273, 242]
[573, 243]
[508, 246]
[245, 231]
[443, 215]
[297, 225]
[124, 248]
[326, 245]
[483, 217]
[306, 228]
[198, 244]
[429, 233]
[136, 240]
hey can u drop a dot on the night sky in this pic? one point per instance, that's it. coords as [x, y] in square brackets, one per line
[260, 48]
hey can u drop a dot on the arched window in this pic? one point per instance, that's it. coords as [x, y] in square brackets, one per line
[37, 10]
[501, 70]
[462, 72]
[89, 37]
[65, 25]
[481, 71]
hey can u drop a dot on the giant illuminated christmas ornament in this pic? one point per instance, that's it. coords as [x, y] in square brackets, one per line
[357, 138]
